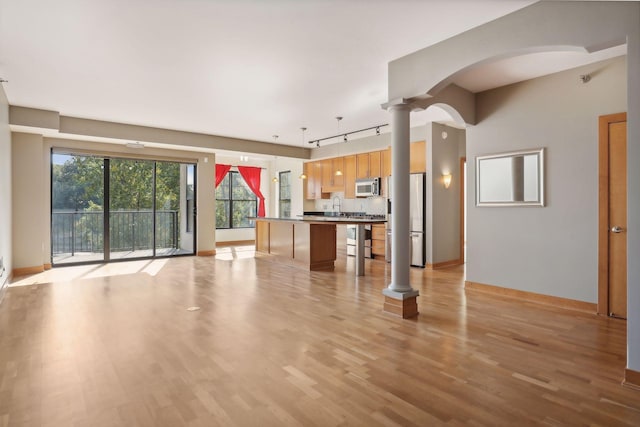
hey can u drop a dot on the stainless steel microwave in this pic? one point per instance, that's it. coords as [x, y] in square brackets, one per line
[367, 187]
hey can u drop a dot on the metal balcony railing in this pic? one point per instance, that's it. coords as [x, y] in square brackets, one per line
[75, 232]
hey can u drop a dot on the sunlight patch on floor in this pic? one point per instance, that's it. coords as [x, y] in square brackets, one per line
[67, 274]
[229, 253]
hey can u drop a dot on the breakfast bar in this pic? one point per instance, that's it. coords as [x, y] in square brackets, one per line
[309, 242]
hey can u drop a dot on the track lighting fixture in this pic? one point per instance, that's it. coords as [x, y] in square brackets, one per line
[345, 135]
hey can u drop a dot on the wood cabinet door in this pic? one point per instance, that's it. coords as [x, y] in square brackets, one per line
[318, 182]
[338, 180]
[385, 162]
[314, 180]
[374, 164]
[327, 174]
[349, 177]
[362, 165]
[309, 189]
[418, 157]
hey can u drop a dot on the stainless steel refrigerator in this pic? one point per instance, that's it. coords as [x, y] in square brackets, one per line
[417, 218]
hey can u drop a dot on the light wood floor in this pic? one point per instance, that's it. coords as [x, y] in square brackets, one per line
[277, 346]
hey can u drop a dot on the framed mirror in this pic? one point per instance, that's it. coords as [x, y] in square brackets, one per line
[510, 179]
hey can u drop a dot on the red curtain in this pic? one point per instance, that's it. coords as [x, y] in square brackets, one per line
[251, 176]
[221, 172]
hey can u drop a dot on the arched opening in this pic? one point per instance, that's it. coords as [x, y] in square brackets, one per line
[445, 193]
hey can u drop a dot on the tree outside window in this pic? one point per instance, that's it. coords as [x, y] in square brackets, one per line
[235, 202]
[284, 198]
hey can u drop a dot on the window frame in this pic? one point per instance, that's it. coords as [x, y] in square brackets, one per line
[280, 198]
[230, 178]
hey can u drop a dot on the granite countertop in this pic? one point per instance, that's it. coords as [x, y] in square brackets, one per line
[317, 218]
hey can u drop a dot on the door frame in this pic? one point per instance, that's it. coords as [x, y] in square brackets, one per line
[603, 208]
[462, 174]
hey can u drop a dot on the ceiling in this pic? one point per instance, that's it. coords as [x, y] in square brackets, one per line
[246, 68]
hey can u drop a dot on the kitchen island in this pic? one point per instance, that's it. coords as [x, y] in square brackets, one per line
[308, 242]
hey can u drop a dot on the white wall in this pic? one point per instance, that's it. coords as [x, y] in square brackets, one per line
[550, 250]
[443, 204]
[5, 192]
[28, 201]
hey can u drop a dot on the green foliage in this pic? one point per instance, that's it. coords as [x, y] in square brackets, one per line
[78, 187]
[233, 194]
[78, 184]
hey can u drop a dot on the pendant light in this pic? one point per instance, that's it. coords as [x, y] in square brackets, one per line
[275, 176]
[339, 171]
[302, 175]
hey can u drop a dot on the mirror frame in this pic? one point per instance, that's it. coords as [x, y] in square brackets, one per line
[541, 181]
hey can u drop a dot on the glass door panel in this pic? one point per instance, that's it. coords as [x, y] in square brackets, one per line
[131, 219]
[77, 214]
[175, 208]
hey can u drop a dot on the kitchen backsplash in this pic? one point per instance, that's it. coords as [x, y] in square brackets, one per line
[369, 205]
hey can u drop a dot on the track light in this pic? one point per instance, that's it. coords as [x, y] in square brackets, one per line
[346, 134]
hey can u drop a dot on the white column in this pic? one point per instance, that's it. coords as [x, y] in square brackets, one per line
[400, 288]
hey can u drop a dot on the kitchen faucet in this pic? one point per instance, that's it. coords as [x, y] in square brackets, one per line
[336, 202]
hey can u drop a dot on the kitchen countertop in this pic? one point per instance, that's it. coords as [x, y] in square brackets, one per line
[324, 219]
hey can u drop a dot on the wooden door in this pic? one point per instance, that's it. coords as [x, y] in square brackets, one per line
[612, 248]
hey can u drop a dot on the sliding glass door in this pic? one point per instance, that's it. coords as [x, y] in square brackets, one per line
[131, 184]
[107, 209]
[77, 216]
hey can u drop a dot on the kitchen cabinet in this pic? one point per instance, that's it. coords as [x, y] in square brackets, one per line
[326, 173]
[374, 164]
[337, 164]
[313, 170]
[385, 162]
[330, 181]
[418, 157]
[309, 245]
[349, 176]
[378, 242]
[362, 165]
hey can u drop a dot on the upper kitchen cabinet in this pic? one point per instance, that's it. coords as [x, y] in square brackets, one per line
[362, 166]
[374, 164]
[385, 162]
[330, 181]
[418, 159]
[313, 170]
[349, 177]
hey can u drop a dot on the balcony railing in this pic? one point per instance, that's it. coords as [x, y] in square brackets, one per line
[75, 232]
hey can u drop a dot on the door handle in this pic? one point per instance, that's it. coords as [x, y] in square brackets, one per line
[617, 229]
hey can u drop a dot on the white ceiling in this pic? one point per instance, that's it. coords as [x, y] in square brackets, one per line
[245, 68]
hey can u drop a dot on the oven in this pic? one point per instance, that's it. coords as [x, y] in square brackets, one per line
[351, 240]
